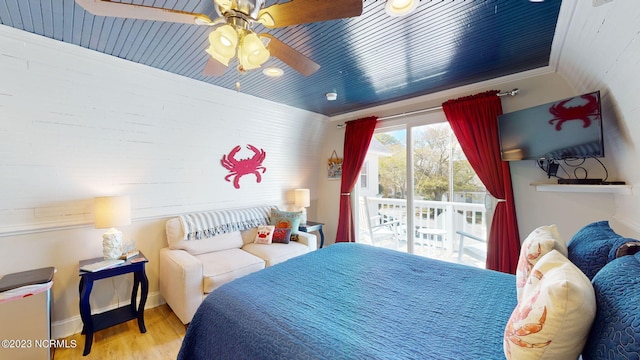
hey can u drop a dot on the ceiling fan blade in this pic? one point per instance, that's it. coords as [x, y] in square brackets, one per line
[121, 10]
[297, 12]
[214, 67]
[290, 56]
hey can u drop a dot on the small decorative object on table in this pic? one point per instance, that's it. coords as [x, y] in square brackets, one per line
[129, 249]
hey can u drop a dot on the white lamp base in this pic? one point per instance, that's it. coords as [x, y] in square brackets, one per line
[112, 244]
[303, 216]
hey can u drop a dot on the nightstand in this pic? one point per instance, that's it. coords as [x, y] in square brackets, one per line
[313, 226]
[96, 322]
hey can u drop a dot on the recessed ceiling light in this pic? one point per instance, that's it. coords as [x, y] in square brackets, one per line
[273, 71]
[400, 7]
[331, 96]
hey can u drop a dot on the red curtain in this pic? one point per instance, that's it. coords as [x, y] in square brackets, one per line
[474, 120]
[357, 138]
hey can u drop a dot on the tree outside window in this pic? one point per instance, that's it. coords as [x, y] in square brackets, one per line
[441, 170]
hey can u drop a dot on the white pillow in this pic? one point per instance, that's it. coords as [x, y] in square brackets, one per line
[264, 234]
[553, 319]
[539, 242]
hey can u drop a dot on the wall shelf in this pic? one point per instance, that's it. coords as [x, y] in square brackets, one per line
[613, 189]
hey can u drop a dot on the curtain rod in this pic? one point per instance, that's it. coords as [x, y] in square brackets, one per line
[513, 92]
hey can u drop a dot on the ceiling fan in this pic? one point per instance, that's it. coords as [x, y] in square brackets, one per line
[234, 27]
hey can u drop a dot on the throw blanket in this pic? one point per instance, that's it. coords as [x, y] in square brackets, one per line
[354, 301]
[207, 224]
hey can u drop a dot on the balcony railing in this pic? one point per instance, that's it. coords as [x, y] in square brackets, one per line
[433, 222]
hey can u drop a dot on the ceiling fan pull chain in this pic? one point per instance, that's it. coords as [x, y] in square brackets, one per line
[238, 80]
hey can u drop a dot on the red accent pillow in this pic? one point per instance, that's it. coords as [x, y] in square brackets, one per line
[281, 235]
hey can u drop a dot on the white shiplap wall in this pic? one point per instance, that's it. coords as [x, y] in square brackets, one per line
[75, 124]
[602, 52]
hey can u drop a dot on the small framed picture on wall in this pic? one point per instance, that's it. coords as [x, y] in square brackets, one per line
[334, 168]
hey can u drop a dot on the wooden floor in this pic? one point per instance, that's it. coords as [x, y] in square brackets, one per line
[123, 342]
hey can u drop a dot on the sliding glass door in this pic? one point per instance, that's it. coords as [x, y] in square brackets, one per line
[418, 192]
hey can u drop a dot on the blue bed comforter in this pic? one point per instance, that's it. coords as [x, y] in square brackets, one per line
[353, 301]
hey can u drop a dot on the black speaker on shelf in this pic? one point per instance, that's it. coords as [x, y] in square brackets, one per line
[580, 181]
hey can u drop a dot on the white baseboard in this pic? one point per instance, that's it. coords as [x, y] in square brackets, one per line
[73, 325]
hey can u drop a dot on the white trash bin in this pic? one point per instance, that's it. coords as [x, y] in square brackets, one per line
[25, 315]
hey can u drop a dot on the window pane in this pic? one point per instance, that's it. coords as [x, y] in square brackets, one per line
[448, 196]
[363, 175]
[383, 201]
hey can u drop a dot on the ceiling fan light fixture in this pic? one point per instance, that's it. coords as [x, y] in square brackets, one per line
[400, 7]
[252, 52]
[223, 42]
[214, 54]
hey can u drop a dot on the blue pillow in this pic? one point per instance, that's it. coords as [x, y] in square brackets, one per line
[593, 246]
[615, 333]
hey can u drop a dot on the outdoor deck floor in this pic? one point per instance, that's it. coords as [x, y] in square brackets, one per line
[430, 251]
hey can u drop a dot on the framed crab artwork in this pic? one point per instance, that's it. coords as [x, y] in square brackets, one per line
[239, 167]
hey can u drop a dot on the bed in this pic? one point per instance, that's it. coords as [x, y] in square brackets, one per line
[364, 302]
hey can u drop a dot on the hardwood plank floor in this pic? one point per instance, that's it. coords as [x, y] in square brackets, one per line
[124, 341]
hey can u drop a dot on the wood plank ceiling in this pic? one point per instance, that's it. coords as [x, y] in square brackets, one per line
[368, 60]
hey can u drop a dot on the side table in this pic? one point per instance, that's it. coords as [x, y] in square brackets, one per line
[313, 226]
[96, 322]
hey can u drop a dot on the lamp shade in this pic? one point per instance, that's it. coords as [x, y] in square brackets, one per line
[112, 211]
[302, 197]
[252, 52]
[223, 42]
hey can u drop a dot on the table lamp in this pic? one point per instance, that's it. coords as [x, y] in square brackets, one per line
[302, 201]
[112, 211]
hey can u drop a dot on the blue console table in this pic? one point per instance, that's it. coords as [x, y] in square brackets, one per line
[96, 322]
[313, 226]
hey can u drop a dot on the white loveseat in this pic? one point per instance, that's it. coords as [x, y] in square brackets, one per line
[192, 268]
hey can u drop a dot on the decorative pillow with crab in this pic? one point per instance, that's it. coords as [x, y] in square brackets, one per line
[539, 242]
[264, 234]
[288, 220]
[553, 318]
[281, 235]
